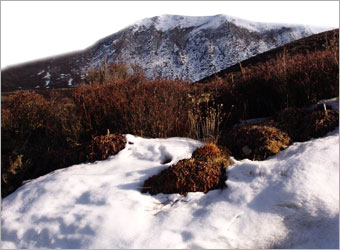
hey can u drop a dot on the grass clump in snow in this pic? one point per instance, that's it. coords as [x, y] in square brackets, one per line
[213, 154]
[205, 171]
[255, 142]
[105, 145]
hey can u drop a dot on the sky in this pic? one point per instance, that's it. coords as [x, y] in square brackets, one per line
[33, 30]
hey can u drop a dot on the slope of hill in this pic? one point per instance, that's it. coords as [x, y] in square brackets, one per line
[169, 46]
[318, 42]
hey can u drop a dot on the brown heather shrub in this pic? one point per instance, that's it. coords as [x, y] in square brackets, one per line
[301, 125]
[205, 171]
[43, 134]
[146, 108]
[318, 123]
[106, 73]
[291, 120]
[105, 145]
[255, 142]
[267, 87]
[186, 176]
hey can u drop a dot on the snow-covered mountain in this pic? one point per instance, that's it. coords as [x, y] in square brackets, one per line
[190, 48]
[171, 46]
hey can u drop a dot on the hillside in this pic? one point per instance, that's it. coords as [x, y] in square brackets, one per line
[313, 43]
[169, 46]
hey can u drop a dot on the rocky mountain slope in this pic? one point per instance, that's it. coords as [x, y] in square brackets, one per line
[168, 46]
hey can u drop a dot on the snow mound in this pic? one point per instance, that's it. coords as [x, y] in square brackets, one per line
[290, 200]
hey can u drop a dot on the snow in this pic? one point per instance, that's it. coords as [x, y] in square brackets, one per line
[47, 76]
[333, 102]
[41, 72]
[169, 22]
[290, 200]
[70, 82]
[48, 79]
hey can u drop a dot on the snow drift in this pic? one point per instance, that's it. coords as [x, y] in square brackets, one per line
[290, 200]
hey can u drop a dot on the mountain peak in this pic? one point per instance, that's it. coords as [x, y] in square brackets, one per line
[169, 22]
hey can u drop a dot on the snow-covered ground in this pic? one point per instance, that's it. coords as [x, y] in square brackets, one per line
[290, 200]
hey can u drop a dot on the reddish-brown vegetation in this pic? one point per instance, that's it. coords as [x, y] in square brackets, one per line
[290, 77]
[301, 125]
[147, 108]
[205, 171]
[105, 145]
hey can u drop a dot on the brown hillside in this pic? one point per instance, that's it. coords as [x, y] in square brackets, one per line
[312, 43]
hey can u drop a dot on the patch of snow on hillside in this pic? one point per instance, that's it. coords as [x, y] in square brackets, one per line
[47, 76]
[290, 200]
[70, 82]
[48, 79]
[41, 72]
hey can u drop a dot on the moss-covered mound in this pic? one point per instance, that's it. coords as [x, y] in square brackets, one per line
[105, 145]
[213, 154]
[255, 142]
[204, 172]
